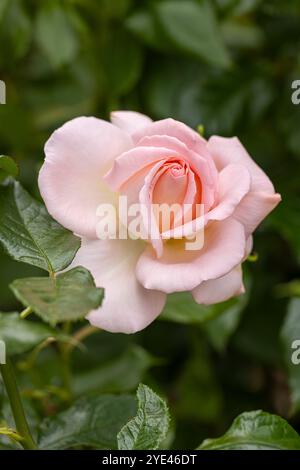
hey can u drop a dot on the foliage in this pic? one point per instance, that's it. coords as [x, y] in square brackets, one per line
[227, 65]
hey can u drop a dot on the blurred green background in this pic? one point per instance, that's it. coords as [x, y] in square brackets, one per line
[228, 65]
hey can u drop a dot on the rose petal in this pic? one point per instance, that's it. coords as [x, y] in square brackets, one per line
[134, 161]
[179, 269]
[230, 150]
[219, 290]
[234, 184]
[174, 129]
[171, 128]
[129, 121]
[254, 208]
[202, 166]
[127, 306]
[70, 181]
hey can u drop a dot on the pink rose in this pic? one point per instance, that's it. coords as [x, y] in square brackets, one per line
[90, 162]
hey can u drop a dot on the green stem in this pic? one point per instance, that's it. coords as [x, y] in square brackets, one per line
[11, 387]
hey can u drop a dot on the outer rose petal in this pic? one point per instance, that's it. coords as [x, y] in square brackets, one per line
[127, 306]
[129, 121]
[180, 270]
[172, 128]
[219, 290]
[70, 181]
[261, 199]
[230, 150]
[254, 208]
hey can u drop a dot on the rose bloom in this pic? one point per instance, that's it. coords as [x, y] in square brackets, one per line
[90, 162]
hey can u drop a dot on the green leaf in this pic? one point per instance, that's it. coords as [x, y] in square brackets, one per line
[8, 167]
[182, 308]
[198, 395]
[30, 235]
[193, 28]
[122, 62]
[256, 430]
[70, 296]
[290, 336]
[16, 29]
[149, 427]
[55, 33]
[143, 24]
[242, 35]
[121, 374]
[21, 335]
[3, 6]
[221, 328]
[89, 422]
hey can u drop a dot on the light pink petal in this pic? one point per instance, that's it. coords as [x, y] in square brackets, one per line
[127, 306]
[180, 270]
[134, 161]
[129, 121]
[254, 208]
[148, 216]
[169, 128]
[219, 290]
[203, 166]
[234, 184]
[77, 156]
[230, 150]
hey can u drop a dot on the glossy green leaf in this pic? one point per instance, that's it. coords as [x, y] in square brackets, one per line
[193, 28]
[89, 422]
[8, 167]
[55, 33]
[70, 296]
[150, 426]
[256, 430]
[121, 374]
[30, 235]
[290, 338]
[21, 335]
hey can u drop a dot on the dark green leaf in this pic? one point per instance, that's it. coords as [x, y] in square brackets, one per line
[121, 374]
[256, 430]
[193, 28]
[143, 24]
[8, 167]
[150, 426]
[198, 395]
[15, 28]
[30, 235]
[70, 296]
[89, 422]
[122, 61]
[22, 335]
